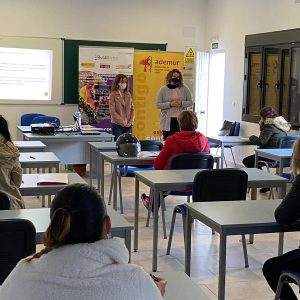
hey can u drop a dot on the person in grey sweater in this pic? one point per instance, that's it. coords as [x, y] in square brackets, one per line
[288, 212]
[172, 99]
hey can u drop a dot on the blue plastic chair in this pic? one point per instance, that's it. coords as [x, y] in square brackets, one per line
[46, 119]
[26, 119]
[287, 277]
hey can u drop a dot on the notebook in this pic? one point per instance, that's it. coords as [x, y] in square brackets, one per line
[148, 153]
[52, 179]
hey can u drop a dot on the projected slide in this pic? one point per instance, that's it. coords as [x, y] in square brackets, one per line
[25, 74]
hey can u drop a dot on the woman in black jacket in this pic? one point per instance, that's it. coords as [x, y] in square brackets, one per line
[287, 213]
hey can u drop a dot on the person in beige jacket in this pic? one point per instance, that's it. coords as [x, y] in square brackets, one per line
[10, 168]
[120, 106]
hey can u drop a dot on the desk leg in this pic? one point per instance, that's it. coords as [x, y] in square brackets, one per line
[128, 242]
[91, 164]
[280, 167]
[255, 160]
[188, 243]
[97, 171]
[115, 189]
[136, 215]
[101, 176]
[283, 190]
[222, 266]
[280, 243]
[222, 156]
[253, 197]
[155, 230]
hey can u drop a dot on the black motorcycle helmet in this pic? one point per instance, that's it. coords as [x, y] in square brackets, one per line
[128, 145]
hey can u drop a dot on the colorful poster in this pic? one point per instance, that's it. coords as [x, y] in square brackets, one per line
[150, 70]
[98, 67]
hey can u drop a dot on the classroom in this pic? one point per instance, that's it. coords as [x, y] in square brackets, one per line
[218, 250]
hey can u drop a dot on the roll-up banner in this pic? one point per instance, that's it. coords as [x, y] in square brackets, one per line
[98, 67]
[150, 70]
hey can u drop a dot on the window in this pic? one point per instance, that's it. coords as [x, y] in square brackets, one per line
[272, 75]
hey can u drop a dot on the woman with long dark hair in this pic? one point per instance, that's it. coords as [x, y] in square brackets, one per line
[79, 260]
[10, 168]
[121, 106]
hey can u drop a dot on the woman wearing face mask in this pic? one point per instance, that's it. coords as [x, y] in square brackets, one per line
[120, 106]
[172, 99]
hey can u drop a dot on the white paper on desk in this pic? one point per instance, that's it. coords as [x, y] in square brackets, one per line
[148, 153]
[52, 179]
[88, 128]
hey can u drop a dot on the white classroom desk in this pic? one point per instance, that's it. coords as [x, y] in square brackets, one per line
[278, 155]
[116, 160]
[39, 160]
[223, 141]
[40, 217]
[70, 148]
[30, 146]
[234, 218]
[181, 287]
[29, 185]
[174, 180]
[95, 149]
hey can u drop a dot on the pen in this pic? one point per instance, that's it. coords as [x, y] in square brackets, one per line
[32, 157]
[154, 277]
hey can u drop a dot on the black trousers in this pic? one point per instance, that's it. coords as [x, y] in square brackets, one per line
[273, 268]
[174, 127]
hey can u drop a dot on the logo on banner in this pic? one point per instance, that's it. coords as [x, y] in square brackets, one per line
[147, 63]
[104, 66]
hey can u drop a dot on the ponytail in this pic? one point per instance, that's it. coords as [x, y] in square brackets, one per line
[57, 232]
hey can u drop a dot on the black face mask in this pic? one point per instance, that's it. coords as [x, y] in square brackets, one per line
[173, 83]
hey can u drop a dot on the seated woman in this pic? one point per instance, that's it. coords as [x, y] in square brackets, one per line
[79, 261]
[272, 127]
[10, 168]
[287, 213]
[187, 140]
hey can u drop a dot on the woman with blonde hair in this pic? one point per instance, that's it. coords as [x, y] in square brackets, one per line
[287, 213]
[79, 260]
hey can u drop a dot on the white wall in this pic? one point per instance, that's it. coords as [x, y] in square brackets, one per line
[230, 21]
[175, 22]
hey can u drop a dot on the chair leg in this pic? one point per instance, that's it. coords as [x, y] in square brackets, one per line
[163, 208]
[171, 231]
[281, 282]
[120, 193]
[188, 198]
[245, 251]
[149, 209]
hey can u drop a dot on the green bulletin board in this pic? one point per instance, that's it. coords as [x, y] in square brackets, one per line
[71, 58]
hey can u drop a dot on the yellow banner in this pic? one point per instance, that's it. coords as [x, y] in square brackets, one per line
[149, 74]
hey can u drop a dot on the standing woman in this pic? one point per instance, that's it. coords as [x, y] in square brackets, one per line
[10, 168]
[172, 99]
[120, 106]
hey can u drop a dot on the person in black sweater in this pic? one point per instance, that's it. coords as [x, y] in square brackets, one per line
[287, 213]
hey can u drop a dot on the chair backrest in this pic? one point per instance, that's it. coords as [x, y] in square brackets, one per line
[4, 201]
[286, 142]
[230, 128]
[192, 161]
[17, 240]
[149, 145]
[26, 119]
[236, 130]
[46, 119]
[220, 185]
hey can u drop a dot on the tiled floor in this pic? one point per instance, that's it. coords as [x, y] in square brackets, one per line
[241, 283]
